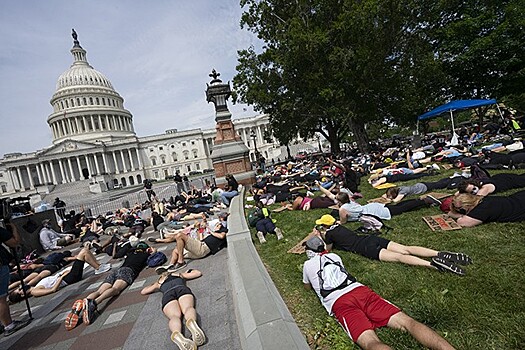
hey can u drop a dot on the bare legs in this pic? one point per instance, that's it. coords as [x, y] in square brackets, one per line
[409, 255]
[369, 340]
[175, 309]
[107, 290]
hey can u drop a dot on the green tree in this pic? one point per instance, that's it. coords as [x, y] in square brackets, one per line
[334, 66]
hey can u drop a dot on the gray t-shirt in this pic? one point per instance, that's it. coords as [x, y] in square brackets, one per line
[418, 188]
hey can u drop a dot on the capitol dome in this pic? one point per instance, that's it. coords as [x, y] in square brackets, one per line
[86, 107]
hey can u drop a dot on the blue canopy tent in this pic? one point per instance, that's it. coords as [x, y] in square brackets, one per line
[455, 106]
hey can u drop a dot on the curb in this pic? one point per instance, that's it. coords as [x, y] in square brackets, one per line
[263, 319]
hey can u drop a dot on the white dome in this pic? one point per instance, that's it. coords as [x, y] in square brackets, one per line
[82, 76]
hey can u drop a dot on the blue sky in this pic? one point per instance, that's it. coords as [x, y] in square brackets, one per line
[157, 54]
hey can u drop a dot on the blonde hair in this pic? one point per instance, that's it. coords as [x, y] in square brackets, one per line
[465, 201]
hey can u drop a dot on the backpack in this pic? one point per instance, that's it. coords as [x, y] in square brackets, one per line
[372, 224]
[53, 259]
[332, 276]
[478, 173]
[156, 259]
[254, 216]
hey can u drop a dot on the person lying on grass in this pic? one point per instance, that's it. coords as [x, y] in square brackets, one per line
[496, 183]
[358, 309]
[350, 210]
[378, 248]
[472, 210]
[178, 301]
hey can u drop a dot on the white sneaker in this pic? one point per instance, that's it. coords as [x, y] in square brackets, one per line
[278, 233]
[103, 268]
[435, 166]
[260, 235]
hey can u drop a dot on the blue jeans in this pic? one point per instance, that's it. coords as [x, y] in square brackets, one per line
[265, 226]
[4, 280]
[226, 196]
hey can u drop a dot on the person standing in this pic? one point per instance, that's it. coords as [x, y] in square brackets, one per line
[178, 180]
[11, 238]
[60, 207]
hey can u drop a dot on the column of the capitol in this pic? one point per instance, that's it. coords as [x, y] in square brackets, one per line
[229, 153]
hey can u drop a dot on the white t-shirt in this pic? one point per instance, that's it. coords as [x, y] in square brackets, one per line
[50, 281]
[310, 269]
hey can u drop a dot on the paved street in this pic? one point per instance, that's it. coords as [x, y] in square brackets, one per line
[130, 321]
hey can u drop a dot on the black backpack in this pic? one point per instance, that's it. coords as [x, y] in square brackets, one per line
[478, 173]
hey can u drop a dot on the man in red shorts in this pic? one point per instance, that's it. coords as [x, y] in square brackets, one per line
[358, 309]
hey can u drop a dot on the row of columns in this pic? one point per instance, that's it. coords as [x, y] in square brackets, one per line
[80, 124]
[47, 173]
[245, 135]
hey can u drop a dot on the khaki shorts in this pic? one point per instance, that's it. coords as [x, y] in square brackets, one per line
[196, 249]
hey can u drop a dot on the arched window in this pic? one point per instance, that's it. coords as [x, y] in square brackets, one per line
[67, 104]
[195, 153]
[163, 159]
[85, 101]
[91, 100]
[174, 156]
[186, 155]
[131, 180]
[97, 101]
[78, 102]
[153, 161]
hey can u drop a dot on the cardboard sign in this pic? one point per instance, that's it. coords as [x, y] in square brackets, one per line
[437, 195]
[441, 222]
[299, 248]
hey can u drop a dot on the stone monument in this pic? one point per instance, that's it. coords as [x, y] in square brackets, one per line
[229, 153]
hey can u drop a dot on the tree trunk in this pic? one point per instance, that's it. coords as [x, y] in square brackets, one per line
[360, 135]
[288, 151]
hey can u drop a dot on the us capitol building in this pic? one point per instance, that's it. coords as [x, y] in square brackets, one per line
[94, 141]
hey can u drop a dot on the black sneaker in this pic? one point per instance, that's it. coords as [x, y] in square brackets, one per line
[88, 315]
[17, 326]
[161, 269]
[458, 258]
[445, 265]
[152, 239]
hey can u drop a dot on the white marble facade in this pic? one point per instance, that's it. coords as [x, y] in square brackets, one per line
[94, 140]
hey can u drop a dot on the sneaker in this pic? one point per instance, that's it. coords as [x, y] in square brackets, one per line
[161, 234]
[178, 266]
[430, 200]
[458, 258]
[435, 166]
[260, 235]
[74, 316]
[103, 268]
[196, 332]
[279, 233]
[445, 265]
[88, 316]
[161, 269]
[17, 325]
[182, 342]
[152, 239]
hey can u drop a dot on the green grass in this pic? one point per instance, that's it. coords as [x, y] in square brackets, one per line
[483, 310]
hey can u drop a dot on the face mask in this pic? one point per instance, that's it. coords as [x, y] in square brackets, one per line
[310, 254]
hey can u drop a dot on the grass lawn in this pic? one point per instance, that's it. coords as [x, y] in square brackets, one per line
[483, 310]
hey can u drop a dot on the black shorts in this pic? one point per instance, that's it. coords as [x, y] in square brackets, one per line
[175, 294]
[371, 246]
[76, 272]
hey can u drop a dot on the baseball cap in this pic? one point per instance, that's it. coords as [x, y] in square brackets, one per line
[327, 220]
[315, 244]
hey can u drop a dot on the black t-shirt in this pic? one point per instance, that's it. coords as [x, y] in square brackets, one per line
[215, 244]
[343, 238]
[505, 182]
[136, 259]
[500, 209]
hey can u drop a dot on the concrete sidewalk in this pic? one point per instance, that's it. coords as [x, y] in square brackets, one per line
[130, 321]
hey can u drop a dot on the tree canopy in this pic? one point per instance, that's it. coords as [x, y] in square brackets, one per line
[336, 66]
